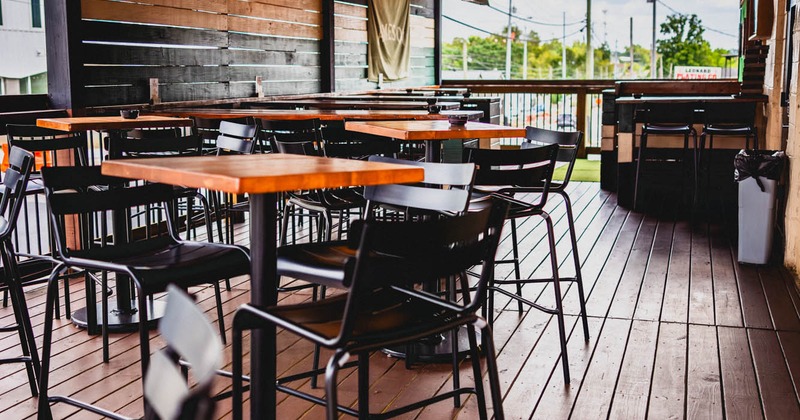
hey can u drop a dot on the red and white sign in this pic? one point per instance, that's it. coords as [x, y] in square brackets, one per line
[697, 72]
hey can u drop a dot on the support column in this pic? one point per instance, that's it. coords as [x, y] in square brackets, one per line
[64, 55]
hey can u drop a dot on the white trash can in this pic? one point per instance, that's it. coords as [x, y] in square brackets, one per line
[756, 220]
[757, 172]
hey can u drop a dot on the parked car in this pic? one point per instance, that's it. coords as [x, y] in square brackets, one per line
[565, 121]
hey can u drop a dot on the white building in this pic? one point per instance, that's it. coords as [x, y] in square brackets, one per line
[23, 65]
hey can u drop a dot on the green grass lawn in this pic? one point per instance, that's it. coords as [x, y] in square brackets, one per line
[585, 170]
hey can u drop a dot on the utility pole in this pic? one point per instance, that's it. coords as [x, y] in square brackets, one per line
[508, 43]
[564, 45]
[653, 44]
[524, 40]
[589, 49]
[464, 57]
[631, 47]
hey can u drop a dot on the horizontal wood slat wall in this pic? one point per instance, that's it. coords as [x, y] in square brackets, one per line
[351, 46]
[215, 49]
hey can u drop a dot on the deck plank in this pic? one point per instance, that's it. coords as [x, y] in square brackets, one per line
[703, 386]
[777, 391]
[668, 390]
[738, 377]
[633, 385]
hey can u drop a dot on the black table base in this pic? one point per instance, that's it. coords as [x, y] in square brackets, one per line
[435, 349]
[122, 321]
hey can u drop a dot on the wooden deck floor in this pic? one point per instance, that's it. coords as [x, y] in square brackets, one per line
[678, 330]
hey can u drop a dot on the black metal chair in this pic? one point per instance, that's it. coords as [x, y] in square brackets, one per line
[12, 195]
[444, 191]
[383, 307]
[191, 341]
[304, 137]
[568, 143]
[35, 244]
[232, 138]
[165, 142]
[666, 120]
[735, 119]
[508, 174]
[152, 263]
[207, 129]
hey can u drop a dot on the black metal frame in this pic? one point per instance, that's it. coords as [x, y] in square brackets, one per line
[521, 171]
[391, 257]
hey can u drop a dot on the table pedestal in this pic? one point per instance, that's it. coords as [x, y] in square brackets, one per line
[121, 320]
[436, 349]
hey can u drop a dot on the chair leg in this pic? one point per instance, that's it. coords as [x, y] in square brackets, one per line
[67, 309]
[363, 385]
[451, 284]
[515, 253]
[236, 371]
[285, 225]
[330, 386]
[480, 394]
[220, 318]
[576, 260]
[562, 333]
[491, 368]
[639, 167]
[47, 338]
[104, 327]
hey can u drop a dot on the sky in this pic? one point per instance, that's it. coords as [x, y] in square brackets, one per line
[610, 19]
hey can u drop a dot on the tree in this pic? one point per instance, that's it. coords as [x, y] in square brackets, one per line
[685, 45]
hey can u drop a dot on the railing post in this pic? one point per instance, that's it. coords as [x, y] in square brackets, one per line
[581, 123]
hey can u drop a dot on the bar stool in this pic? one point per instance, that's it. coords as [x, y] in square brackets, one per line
[729, 119]
[666, 120]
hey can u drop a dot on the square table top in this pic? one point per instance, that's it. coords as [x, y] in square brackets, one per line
[262, 173]
[111, 123]
[433, 130]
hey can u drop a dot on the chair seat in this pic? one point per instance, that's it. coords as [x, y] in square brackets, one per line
[386, 317]
[731, 130]
[319, 262]
[339, 199]
[158, 262]
[667, 129]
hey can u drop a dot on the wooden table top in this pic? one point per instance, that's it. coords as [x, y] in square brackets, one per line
[328, 103]
[262, 173]
[689, 99]
[322, 114]
[112, 123]
[433, 130]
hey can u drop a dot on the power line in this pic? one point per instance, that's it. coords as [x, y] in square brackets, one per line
[503, 35]
[524, 19]
[472, 27]
[703, 26]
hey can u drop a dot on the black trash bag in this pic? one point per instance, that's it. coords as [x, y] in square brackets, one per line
[757, 164]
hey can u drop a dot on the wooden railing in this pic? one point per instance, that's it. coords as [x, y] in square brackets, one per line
[551, 104]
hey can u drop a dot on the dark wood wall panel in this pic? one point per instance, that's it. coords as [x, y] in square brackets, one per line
[215, 49]
[198, 50]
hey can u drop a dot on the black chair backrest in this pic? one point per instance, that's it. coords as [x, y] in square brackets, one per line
[351, 145]
[515, 170]
[402, 254]
[15, 180]
[39, 139]
[236, 138]
[208, 128]
[191, 337]
[738, 113]
[159, 142]
[85, 192]
[446, 188]
[299, 137]
[568, 142]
